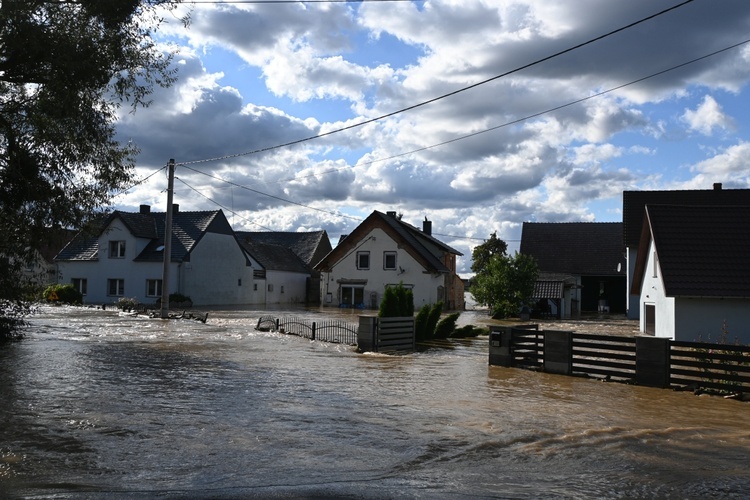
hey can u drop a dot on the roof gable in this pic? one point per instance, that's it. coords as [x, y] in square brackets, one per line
[582, 248]
[703, 251]
[634, 204]
[423, 247]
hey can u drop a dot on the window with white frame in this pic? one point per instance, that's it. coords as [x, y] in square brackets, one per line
[363, 260]
[117, 249]
[80, 284]
[115, 287]
[389, 260]
[153, 288]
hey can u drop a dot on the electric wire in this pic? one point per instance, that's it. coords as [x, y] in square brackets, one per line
[444, 96]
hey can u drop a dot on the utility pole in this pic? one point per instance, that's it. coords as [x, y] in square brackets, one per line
[167, 244]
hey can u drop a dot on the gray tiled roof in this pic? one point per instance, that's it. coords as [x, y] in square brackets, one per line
[634, 203]
[187, 229]
[274, 257]
[309, 246]
[703, 251]
[581, 248]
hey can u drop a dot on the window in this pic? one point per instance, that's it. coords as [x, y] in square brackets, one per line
[649, 314]
[255, 287]
[115, 287]
[389, 260]
[282, 288]
[270, 287]
[363, 260]
[153, 288]
[116, 249]
[656, 264]
[80, 284]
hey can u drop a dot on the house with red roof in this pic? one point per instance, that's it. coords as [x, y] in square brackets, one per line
[692, 272]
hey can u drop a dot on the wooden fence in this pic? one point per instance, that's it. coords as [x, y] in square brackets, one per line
[649, 361]
[334, 331]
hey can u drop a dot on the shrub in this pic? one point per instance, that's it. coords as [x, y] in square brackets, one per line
[397, 301]
[432, 319]
[446, 326]
[469, 331]
[66, 294]
[177, 300]
[420, 324]
[128, 304]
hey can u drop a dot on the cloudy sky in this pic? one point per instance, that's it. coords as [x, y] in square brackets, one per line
[471, 118]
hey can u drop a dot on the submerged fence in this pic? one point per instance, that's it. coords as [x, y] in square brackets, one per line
[333, 331]
[649, 361]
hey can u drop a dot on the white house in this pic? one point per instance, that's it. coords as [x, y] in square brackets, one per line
[125, 259]
[384, 251]
[633, 210]
[693, 273]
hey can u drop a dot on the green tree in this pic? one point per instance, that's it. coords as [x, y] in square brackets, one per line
[482, 254]
[506, 283]
[66, 68]
[398, 301]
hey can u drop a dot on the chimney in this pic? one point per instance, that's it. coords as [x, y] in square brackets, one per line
[427, 227]
[175, 208]
[145, 209]
[717, 186]
[391, 214]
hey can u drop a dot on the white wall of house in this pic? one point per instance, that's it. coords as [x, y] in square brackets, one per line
[134, 276]
[373, 281]
[702, 319]
[217, 273]
[284, 287]
[653, 295]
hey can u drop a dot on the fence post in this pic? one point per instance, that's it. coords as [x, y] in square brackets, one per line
[366, 334]
[500, 341]
[313, 331]
[277, 324]
[558, 352]
[652, 360]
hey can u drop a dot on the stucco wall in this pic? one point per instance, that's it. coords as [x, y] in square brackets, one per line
[217, 273]
[98, 272]
[408, 271]
[702, 320]
[283, 287]
[652, 293]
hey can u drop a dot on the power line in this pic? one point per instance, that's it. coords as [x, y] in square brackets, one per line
[444, 96]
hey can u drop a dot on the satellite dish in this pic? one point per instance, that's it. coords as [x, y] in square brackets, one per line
[619, 267]
[160, 248]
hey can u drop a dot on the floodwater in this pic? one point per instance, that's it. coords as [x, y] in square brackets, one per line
[99, 405]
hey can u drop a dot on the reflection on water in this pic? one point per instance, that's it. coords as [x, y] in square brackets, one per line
[100, 405]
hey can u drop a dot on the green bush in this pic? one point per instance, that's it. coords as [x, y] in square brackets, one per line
[432, 319]
[66, 294]
[420, 324]
[446, 326]
[397, 301]
[469, 331]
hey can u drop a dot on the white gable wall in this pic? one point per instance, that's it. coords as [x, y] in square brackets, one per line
[133, 274]
[217, 273]
[408, 271]
[652, 293]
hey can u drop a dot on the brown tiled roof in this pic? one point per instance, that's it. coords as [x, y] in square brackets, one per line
[581, 248]
[634, 203]
[703, 251]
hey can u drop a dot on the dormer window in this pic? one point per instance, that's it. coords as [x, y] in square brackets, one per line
[117, 249]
